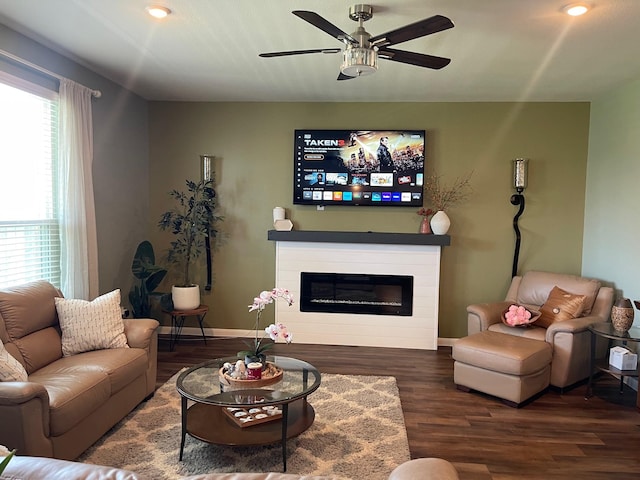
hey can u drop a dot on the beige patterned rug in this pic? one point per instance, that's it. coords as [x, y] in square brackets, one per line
[358, 433]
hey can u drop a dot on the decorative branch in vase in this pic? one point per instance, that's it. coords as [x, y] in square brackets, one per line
[442, 197]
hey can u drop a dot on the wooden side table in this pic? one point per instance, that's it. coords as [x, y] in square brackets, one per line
[177, 322]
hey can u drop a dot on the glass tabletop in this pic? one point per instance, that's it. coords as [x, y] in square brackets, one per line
[201, 383]
[606, 329]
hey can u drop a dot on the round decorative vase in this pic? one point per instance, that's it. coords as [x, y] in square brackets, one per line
[425, 226]
[185, 298]
[440, 223]
[622, 315]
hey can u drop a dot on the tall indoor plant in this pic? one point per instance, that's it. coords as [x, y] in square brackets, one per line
[191, 221]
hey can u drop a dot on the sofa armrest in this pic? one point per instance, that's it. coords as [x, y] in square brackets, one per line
[575, 325]
[24, 416]
[37, 468]
[481, 315]
[431, 468]
[15, 393]
[139, 331]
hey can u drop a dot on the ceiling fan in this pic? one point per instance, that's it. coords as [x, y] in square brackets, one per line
[361, 52]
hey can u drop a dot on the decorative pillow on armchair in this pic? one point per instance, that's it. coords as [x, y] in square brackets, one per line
[94, 325]
[11, 370]
[561, 305]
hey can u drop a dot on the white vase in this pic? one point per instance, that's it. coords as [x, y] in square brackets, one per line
[440, 223]
[185, 298]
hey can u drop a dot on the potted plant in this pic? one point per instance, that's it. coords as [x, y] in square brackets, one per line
[257, 349]
[191, 221]
[150, 276]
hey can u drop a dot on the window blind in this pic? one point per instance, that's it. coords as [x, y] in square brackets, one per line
[29, 229]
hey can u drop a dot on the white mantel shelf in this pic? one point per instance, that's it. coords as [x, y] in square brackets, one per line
[382, 238]
[375, 253]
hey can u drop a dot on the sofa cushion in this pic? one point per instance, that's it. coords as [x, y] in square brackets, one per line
[30, 324]
[11, 370]
[122, 366]
[534, 332]
[535, 287]
[91, 325]
[560, 306]
[75, 390]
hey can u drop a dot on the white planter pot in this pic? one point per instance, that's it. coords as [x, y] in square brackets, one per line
[440, 223]
[185, 298]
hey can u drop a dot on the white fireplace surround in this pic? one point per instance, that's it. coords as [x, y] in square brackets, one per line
[325, 253]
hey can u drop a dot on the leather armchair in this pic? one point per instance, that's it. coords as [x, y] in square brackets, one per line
[570, 340]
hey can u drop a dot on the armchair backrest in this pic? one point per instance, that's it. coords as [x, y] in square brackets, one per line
[533, 289]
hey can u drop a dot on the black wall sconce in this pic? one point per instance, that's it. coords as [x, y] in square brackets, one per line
[206, 174]
[519, 180]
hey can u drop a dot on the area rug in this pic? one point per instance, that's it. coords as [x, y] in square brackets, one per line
[358, 433]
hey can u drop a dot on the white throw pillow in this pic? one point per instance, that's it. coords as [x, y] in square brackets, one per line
[94, 325]
[11, 370]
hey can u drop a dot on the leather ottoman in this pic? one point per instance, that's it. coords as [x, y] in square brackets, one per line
[506, 366]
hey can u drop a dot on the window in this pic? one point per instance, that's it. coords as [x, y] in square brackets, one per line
[29, 229]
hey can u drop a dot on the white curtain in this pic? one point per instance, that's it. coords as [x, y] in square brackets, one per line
[79, 262]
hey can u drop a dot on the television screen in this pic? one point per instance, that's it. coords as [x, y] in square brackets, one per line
[359, 167]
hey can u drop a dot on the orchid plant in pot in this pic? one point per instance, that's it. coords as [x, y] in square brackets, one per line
[258, 347]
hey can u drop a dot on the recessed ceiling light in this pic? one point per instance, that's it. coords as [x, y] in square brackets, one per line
[158, 11]
[576, 9]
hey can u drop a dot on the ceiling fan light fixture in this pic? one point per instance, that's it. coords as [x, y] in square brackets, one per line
[358, 61]
[576, 9]
[158, 11]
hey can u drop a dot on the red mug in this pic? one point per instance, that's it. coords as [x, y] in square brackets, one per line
[254, 371]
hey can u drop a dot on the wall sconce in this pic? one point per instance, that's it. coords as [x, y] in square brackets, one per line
[206, 174]
[206, 170]
[519, 180]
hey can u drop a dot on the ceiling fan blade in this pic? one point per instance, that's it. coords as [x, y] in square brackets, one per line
[430, 25]
[342, 76]
[412, 58]
[299, 52]
[325, 25]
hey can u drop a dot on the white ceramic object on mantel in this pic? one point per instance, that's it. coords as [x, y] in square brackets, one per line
[440, 223]
[185, 298]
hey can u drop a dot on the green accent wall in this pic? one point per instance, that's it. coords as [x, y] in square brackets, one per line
[253, 145]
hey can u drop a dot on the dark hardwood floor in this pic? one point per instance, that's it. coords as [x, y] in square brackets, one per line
[558, 436]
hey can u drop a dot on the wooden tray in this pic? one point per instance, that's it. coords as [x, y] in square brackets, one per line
[248, 418]
[270, 375]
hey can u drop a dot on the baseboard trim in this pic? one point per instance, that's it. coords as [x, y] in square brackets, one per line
[233, 333]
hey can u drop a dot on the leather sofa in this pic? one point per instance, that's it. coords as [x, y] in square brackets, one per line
[67, 403]
[30, 468]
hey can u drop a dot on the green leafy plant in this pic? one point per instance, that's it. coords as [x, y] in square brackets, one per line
[191, 221]
[150, 276]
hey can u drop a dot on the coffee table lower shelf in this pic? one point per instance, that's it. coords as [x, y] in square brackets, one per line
[209, 423]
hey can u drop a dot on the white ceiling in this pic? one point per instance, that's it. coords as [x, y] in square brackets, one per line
[207, 50]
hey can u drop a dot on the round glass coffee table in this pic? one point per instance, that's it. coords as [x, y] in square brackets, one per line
[205, 399]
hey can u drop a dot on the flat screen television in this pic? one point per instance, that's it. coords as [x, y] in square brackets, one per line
[359, 167]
